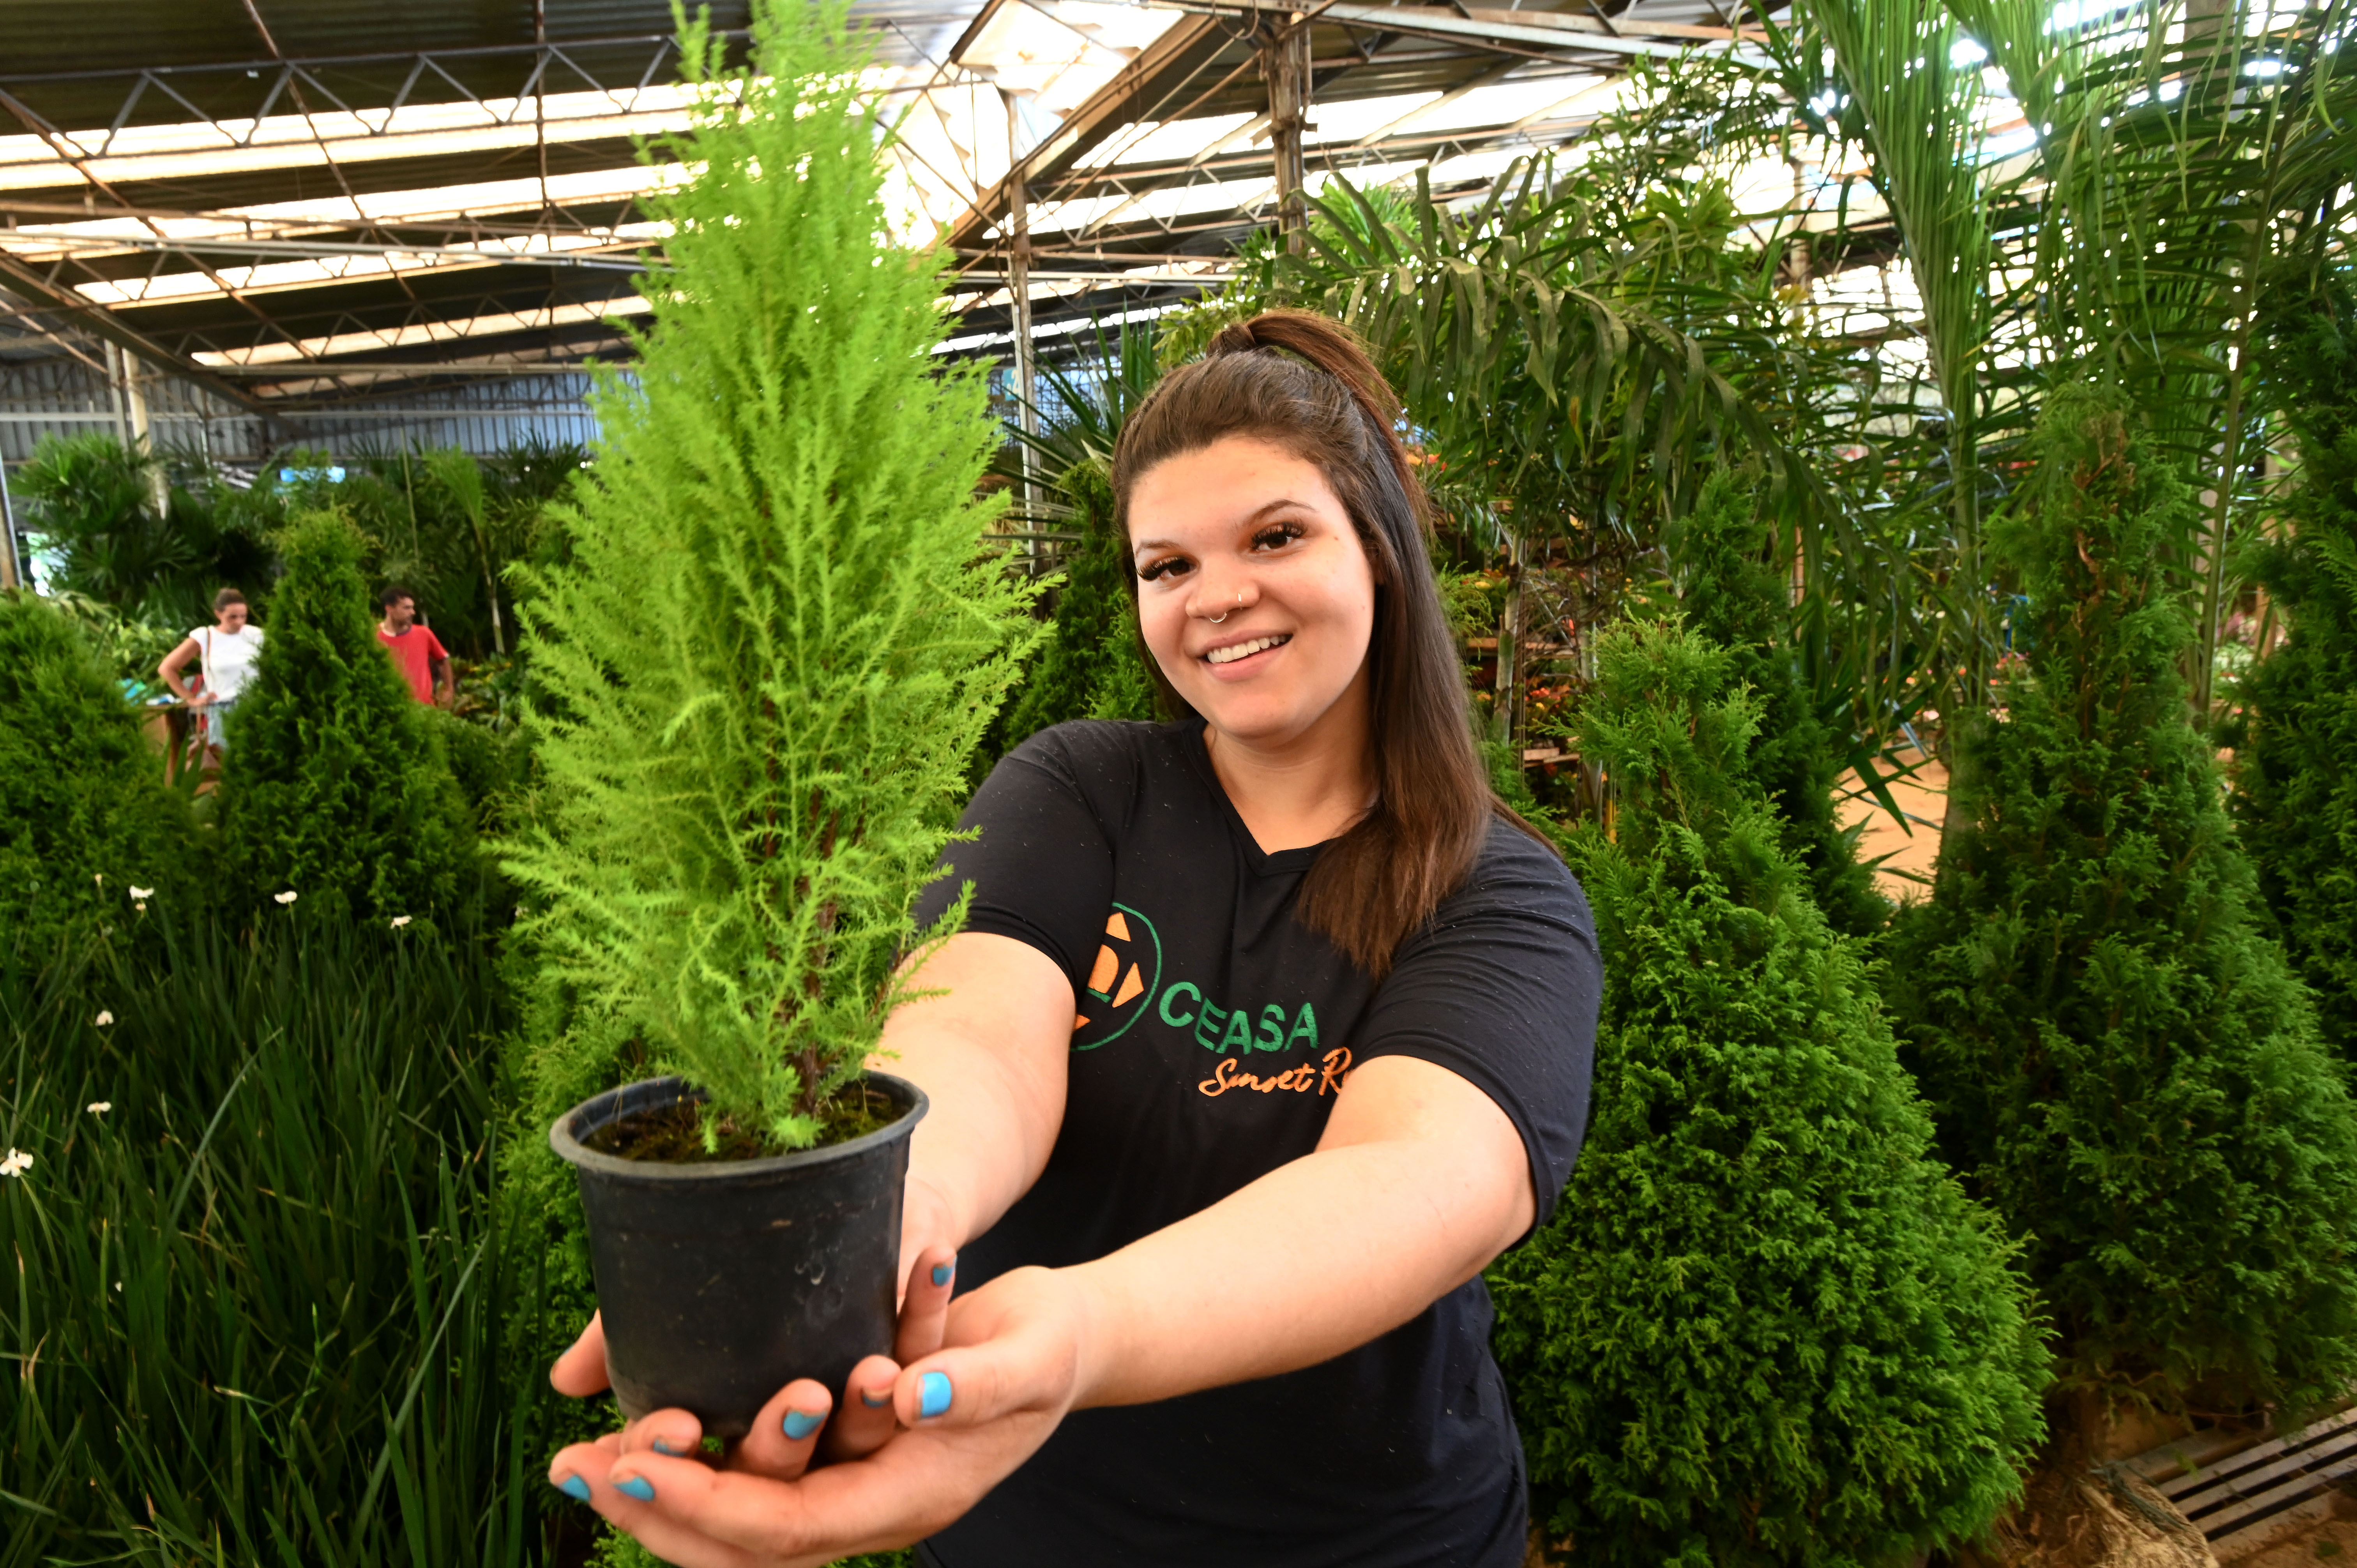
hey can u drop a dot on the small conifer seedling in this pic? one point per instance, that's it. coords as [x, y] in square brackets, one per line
[778, 637]
[1764, 1326]
[2121, 1061]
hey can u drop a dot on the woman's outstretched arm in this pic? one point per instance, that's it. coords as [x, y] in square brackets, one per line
[1419, 1181]
[990, 1051]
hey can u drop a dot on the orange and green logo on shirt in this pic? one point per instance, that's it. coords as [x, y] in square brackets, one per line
[1126, 977]
[1125, 983]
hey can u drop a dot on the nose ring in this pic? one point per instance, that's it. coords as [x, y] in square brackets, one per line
[1217, 619]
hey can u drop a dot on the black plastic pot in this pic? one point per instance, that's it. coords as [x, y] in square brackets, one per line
[722, 1282]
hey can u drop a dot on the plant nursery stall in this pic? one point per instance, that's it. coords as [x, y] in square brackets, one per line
[1891, 477]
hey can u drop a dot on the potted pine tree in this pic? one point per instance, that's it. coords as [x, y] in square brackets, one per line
[765, 666]
[1764, 1326]
[2295, 799]
[2121, 1061]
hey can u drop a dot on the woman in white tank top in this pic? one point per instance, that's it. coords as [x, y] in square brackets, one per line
[227, 652]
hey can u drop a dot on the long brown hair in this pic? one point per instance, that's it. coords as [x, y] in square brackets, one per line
[1303, 383]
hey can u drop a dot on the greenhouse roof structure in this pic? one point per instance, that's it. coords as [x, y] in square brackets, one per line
[301, 206]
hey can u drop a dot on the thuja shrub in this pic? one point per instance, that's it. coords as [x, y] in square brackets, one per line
[1734, 597]
[777, 639]
[86, 820]
[1764, 1326]
[335, 787]
[2121, 1060]
[2295, 796]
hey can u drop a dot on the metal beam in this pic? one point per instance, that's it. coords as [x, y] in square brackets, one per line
[1520, 35]
[1018, 299]
[34, 289]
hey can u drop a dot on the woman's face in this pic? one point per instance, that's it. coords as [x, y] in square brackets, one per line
[230, 619]
[1247, 531]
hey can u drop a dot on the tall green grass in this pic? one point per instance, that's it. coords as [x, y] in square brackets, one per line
[251, 1313]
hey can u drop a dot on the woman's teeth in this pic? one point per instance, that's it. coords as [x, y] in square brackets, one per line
[1234, 651]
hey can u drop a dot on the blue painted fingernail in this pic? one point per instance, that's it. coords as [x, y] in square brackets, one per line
[942, 1273]
[637, 1487]
[574, 1487]
[663, 1447]
[799, 1426]
[933, 1395]
[877, 1400]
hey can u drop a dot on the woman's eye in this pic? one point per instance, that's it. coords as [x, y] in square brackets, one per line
[1277, 537]
[1170, 565]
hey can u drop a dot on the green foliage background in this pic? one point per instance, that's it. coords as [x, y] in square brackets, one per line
[256, 1301]
[335, 784]
[1733, 597]
[1763, 1326]
[778, 639]
[93, 501]
[2295, 799]
[85, 815]
[2122, 1065]
[1090, 664]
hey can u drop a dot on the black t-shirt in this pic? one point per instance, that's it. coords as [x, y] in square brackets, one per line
[1212, 1032]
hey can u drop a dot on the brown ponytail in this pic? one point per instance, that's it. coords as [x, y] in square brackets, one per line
[1303, 383]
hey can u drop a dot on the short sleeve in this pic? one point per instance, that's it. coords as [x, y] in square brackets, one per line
[1042, 866]
[1502, 989]
[434, 648]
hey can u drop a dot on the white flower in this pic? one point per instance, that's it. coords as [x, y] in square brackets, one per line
[101, 1107]
[16, 1164]
[287, 897]
[141, 908]
[399, 922]
[100, 878]
[103, 1019]
[143, 893]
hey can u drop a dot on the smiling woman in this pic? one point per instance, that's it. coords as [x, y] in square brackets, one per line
[1269, 1030]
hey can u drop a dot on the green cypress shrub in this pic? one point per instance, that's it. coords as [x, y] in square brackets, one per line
[1734, 597]
[85, 816]
[2122, 1063]
[1763, 1326]
[777, 639]
[2295, 796]
[335, 787]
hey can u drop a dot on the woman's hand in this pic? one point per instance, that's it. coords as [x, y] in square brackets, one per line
[202, 699]
[921, 1437]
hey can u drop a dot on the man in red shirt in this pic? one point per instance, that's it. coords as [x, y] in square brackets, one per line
[416, 653]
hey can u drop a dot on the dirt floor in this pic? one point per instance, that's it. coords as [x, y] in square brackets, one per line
[1914, 847]
[2330, 1541]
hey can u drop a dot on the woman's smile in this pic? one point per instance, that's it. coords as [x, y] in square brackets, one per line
[1235, 658]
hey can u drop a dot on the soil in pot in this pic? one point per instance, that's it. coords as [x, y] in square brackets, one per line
[673, 1134]
[724, 1279]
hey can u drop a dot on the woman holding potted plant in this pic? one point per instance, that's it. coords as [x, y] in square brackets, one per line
[1267, 1030]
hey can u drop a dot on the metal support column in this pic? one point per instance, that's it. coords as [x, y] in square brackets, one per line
[1018, 309]
[1284, 70]
[10, 576]
[143, 432]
